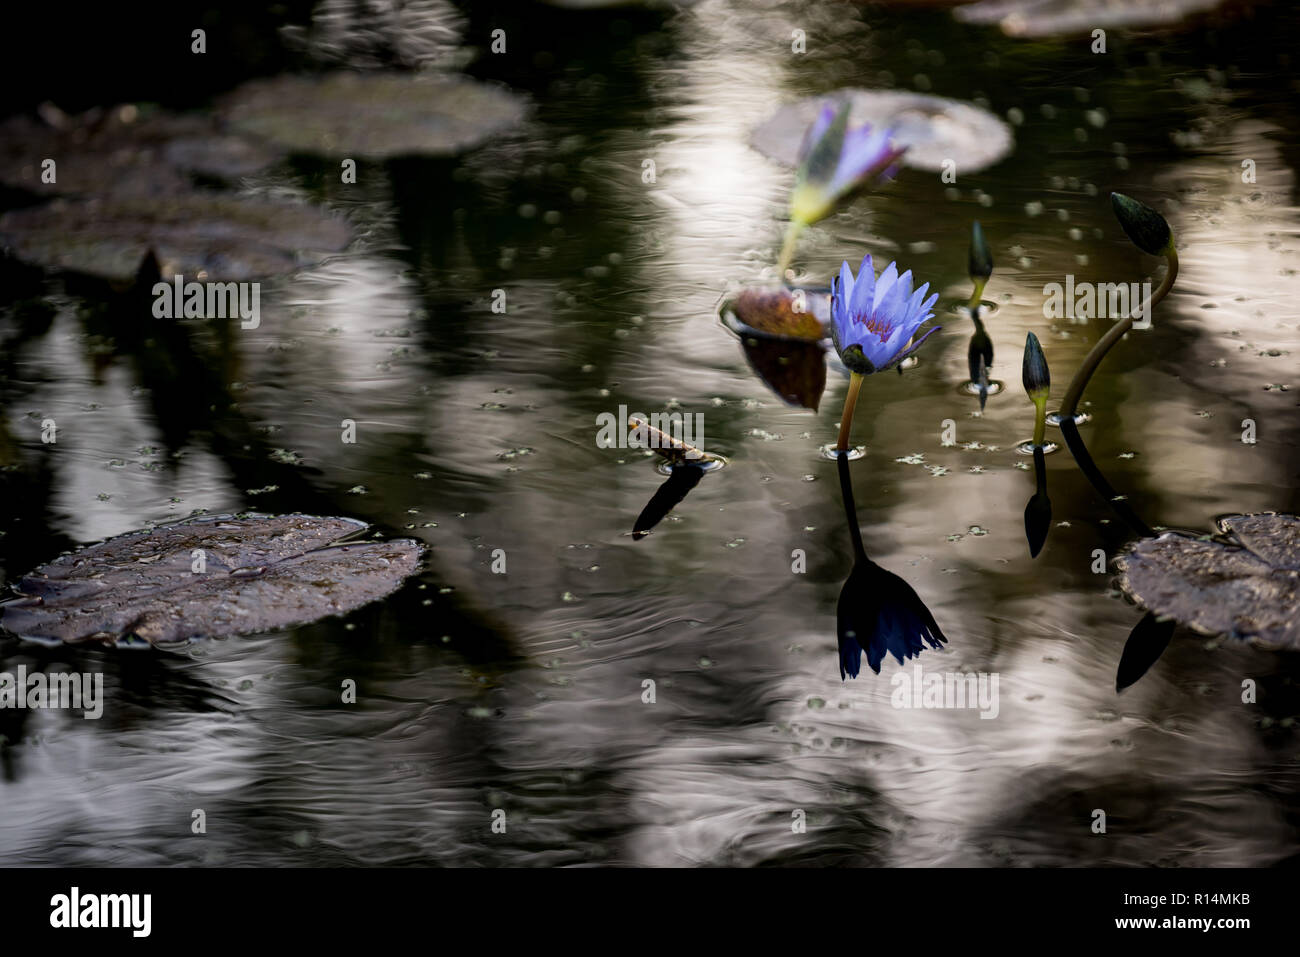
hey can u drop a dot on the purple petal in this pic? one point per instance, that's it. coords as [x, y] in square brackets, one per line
[816, 130]
[865, 290]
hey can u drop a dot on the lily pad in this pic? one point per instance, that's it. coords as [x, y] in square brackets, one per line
[121, 151]
[1045, 18]
[1246, 584]
[373, 115]
[204, 236]
[768, 312]
[933, 128]
[258, 573]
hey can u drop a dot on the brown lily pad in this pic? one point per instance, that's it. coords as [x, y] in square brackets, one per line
[768, 312]
[201, 235]
[373, 115]
[1244, 584]
[933, 128]
[257, 573]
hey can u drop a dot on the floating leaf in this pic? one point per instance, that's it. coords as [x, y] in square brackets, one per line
[933, 128]
[1245, 586]
[373, 115]
[258, 573]
[778, 313]
[121, 151]
[204, 236]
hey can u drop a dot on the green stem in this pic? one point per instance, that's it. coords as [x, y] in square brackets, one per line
[846, 420]
[975, 296]
[787, 248]
[1040, 420]
[1080, 381]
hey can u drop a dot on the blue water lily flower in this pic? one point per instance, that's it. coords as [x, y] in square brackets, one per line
[874, 319]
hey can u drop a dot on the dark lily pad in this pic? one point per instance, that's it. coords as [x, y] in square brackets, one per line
[933, 128]
[1045, 18]
[260, 573]
[121, 151]
[373, 115]
[1246, 584]
[204, 236]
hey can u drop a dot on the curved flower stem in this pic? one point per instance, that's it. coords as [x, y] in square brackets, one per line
[787, 248]
[846, 419]
[975, 298]
[1075, 392]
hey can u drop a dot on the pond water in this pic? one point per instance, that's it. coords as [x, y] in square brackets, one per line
[476, 432]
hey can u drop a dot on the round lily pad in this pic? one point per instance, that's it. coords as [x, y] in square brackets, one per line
[1244, 584]
[933, 128]
[120, 151]
[204, 236]
[208, 577]
[373, 115]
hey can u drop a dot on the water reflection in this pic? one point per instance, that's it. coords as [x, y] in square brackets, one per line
[1038, 511]
[878, 612]
[681, 479]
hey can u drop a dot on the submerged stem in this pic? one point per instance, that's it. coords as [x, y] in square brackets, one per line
[1093, 359]
[846, 420]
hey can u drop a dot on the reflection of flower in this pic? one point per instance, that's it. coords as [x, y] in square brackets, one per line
[836, 160]
[878, 612]
[872, 320]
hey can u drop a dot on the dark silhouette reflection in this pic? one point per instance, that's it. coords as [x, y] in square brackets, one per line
[1150, 636]
[1038, 512]
[979, 356]
[681, 480]
[878, 612]
[795, 371]
[1146, 643]
[1098, 481]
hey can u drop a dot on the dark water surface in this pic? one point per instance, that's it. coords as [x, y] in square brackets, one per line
[476, 431]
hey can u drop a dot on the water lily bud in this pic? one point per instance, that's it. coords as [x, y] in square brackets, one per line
[1033, 371]
[981, 260]
[1147, 228]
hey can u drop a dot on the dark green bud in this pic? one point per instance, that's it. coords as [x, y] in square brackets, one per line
[981, 260]
[1033, 372]
[1147, 228]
